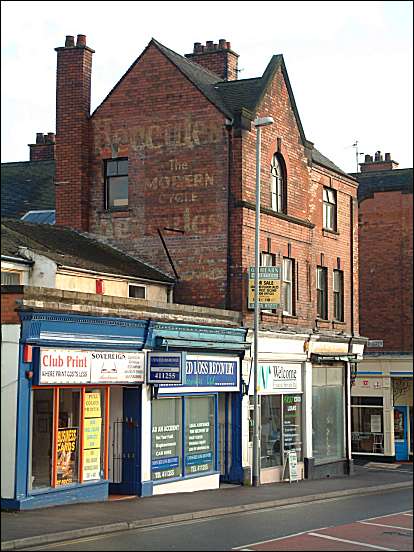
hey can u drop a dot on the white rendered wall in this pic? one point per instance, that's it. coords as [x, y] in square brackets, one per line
[307, 410]
[189, 485]
[43, 271]
[9, 371]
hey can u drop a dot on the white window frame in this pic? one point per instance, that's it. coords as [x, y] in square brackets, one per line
[13, 273]
[288, 286]
[329, 209]
[338, 292]
[277, 191]
[137, 286]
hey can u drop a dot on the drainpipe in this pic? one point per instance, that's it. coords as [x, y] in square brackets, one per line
[228, 126]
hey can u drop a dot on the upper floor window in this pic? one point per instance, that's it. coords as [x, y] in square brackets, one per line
[329, 209]
[278, 184]
[138, 292]
[267, 259]
[322, 292]
[338, 295]
[9, 278]
[116, 183]
[288, 286]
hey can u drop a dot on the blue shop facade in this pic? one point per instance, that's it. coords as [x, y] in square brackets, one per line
[84, 423]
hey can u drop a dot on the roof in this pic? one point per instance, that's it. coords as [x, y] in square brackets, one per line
[73, 249]
[27, 185]
[393, 180]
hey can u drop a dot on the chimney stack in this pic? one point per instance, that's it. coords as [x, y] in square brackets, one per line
[44, 148]
[73, 100]
[217, 58]
[378, 163]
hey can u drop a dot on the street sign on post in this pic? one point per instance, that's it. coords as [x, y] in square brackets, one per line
[269, 287]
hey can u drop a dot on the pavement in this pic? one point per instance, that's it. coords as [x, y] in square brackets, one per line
[59, 523]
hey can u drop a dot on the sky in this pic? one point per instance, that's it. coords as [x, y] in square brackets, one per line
[349, 63]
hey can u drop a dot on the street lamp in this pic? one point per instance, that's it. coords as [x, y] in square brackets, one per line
[259, 122]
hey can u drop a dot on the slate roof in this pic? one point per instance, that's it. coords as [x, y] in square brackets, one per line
[317, 157]
[25, 186]
[70, 248]
[384, 181]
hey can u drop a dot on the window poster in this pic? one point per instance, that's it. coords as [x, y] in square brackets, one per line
[91, 464]
[166, 439]
[92, 431]
[199, 433]
[67, 456]
[292, 427]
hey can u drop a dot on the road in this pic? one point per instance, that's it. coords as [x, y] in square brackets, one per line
[337, 520]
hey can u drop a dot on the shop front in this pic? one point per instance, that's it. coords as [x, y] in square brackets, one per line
[192, 428]
[382, 408]
[68, 367]
[281, 408]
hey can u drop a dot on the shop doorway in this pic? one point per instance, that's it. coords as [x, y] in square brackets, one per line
[400, 432]
[126, 445]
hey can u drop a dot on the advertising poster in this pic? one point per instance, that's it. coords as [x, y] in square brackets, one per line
[92, 405]
[292, 424]
[199, 455]
[92, 433]
[269, 287]
[91, 464]
[165, 446]
[67, 456]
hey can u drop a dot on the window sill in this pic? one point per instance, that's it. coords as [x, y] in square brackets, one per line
[333, 234]
[116, 212]
[289, 316]
[339, 322]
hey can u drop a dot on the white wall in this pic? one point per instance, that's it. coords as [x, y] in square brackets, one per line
[9, 373]
[146, 434]
[43, 272]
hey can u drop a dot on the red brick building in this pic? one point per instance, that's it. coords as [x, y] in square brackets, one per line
[165, 169]
[385, 198]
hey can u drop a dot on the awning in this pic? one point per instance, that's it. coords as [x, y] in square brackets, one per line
[320, 358]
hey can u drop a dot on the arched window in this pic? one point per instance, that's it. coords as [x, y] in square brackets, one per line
[278, 184]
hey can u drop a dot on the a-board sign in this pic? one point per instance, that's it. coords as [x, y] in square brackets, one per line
[165, 367]
[290, 466]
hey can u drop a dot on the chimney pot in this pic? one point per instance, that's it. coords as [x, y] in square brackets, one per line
[70, 41]
[209, 44]
[377, 156]
[81, 40]
[222, 43]
[51, 137]
[40, 139]
[387, 157]
[197, 47]
[228, 45]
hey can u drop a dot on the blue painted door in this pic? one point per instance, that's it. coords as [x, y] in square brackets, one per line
[400, 432]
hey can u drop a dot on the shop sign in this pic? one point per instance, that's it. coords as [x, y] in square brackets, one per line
[166, 441]
[60, 367]
[209, 373]
[269, 287]
[277, 378]
[92, 426]
[67, 456]
[165, 367]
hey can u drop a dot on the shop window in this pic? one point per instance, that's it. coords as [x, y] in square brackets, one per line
[367, 425]
[42, 433]
[322, 292]
[116, 183]
[292, 424]
[170, 417]
[338, 295]
[328, 413]
[329, 209]
[278, 184]
[68, 436]
[271, 435]
[281, 428]
[199, 434]
[167, 460]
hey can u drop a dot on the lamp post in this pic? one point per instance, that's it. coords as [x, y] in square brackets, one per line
[258, 123]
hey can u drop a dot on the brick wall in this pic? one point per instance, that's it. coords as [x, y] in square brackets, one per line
[176, 144]
[9, 314]
[386, 271]
[73, 93]
[44, 148]
[217, 58]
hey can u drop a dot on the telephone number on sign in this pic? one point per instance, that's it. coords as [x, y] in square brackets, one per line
[164, 375]
[201, 467]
